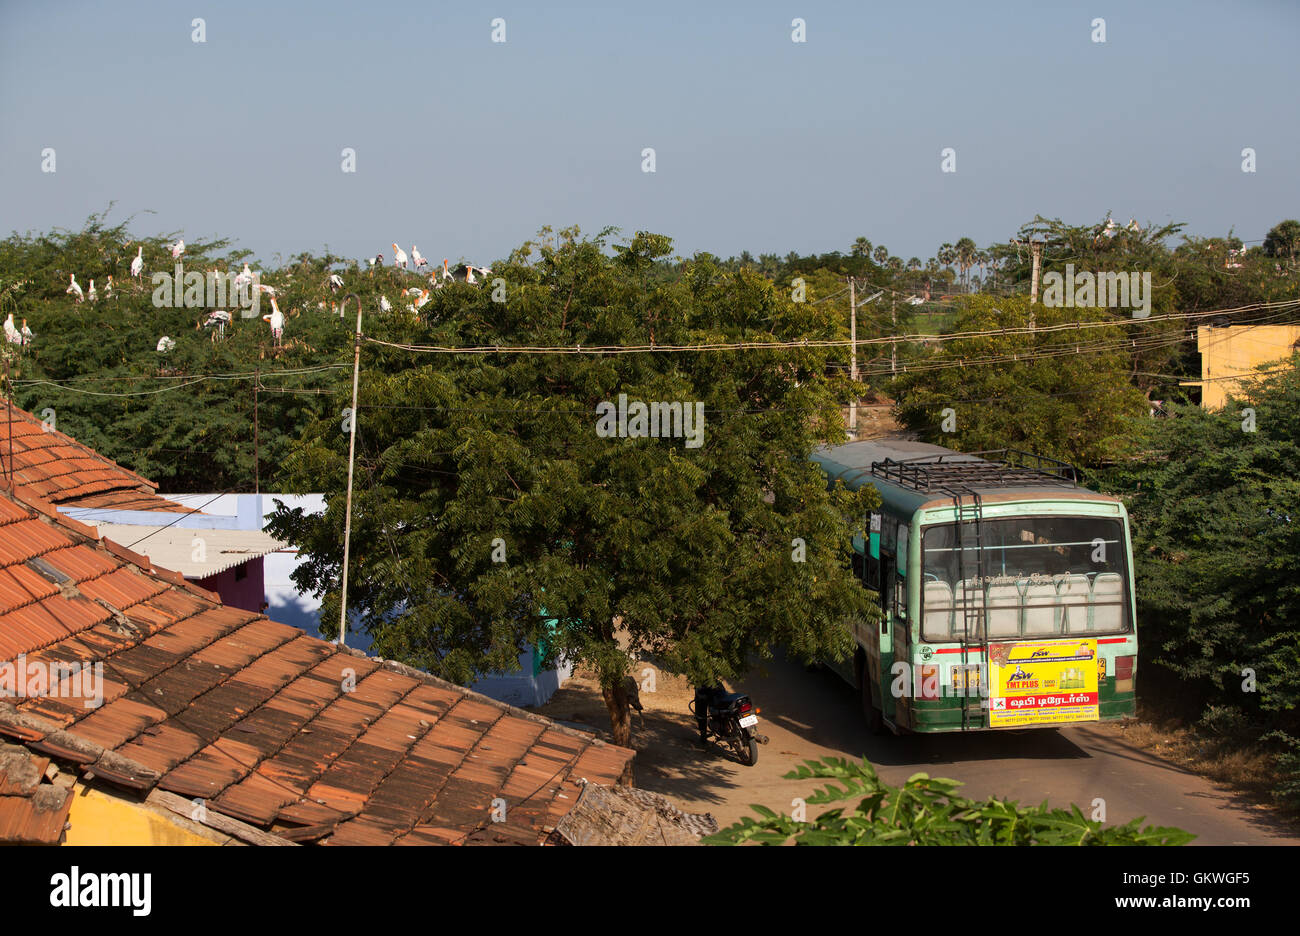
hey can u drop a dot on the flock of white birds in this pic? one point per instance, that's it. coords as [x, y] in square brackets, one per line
[218, 320]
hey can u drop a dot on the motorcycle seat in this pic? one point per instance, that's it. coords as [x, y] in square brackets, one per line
[726, 699]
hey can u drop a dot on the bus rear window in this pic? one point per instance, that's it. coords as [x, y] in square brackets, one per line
[1041, 576]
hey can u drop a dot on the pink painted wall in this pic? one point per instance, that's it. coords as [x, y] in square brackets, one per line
[247, 593]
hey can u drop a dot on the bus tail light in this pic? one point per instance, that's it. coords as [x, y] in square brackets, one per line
[929, 681]
[1125, 666]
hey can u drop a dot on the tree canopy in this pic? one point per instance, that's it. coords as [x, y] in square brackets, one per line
[491, 515]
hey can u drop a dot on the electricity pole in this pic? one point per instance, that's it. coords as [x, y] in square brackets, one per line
[853, 356]
[352, 455]
[893, 345]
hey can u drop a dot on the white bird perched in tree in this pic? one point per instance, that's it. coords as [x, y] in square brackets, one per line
[12, 334]
[244, 278]
[418, 260]
[486, 271]
[219, 318]
[269, 290]
[399, 257]
[424, 298]
[108, 287]
[336, 282]
[165, 344]
[276, 318]
[28, 335]
[90, 294]
[446, 273]
[73, 289]
[384, 304]
[469, 275]
[177, 249]
[137, 265]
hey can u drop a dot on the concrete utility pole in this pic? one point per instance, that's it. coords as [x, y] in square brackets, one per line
[1035, 248]
[352, 455]
[893, 345]
[853, 356]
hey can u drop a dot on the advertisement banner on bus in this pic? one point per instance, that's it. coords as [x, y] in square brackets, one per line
[1043, 682]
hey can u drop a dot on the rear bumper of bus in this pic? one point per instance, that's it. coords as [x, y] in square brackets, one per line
[945, 709]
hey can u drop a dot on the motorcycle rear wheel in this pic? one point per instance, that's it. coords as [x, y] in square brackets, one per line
[747, 748]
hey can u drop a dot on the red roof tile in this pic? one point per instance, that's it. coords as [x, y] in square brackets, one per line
[54, 467]
[267, 724]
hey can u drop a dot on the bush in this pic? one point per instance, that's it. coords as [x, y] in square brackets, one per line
[927, 811]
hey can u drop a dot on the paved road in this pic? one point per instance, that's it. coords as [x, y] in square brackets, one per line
[814, 714]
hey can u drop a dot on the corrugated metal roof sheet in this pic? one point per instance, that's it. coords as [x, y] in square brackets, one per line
[176, 548]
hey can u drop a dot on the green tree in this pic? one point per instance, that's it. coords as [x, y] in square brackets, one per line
[1048, 391]
[1283, 240]
[1215, 504]
[490, 516]
[966, 254]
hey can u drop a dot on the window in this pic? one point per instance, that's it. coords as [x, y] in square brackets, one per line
[1042, 576]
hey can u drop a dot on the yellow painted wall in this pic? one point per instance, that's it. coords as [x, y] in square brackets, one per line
[1235, 351]
[101, 819]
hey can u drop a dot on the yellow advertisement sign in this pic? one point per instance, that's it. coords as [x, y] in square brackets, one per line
[1043, 682]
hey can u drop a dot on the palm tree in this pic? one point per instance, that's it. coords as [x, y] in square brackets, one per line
[881, 255]
[861, 248]
[946, 255]
[914, 264]
[966, 251]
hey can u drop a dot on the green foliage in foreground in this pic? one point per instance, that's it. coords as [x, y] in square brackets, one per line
[926, 811]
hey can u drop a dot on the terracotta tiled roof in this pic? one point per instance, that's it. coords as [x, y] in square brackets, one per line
[259, 719]
[32, 811]
[57, 468]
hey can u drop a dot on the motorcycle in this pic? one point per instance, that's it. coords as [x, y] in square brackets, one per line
[731, 718]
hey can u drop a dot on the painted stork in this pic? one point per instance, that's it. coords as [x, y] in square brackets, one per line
[446, 273]
[108, 287]
[469, 275]
[137, 265]
[28, 335]
[276, 318]
[384, 304]
[12, 334]
[177, 249]
[417, 259]
[90, 293]
[73, 289]
[399, 257]
[165, 344]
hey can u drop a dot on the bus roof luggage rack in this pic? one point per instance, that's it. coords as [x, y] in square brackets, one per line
[994, 468]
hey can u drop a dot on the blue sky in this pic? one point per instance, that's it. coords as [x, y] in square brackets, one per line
[466, 147]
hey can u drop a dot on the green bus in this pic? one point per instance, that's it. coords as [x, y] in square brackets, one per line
[1006, 591]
